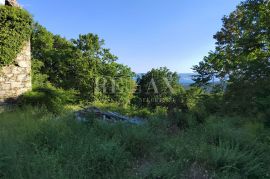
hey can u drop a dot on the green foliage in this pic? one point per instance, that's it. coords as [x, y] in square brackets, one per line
[264, 106]
[15, 30]
[217, 149]
[192, 106]
[241, 56]
[38, 79]
[81, 64]
[156, 88]
[36, 144]
[179, 138]
[133, 111]
[180, 119]
[144, 113]
[136, 140]
[53, 99]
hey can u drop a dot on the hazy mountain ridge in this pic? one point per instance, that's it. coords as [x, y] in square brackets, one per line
[185, 78]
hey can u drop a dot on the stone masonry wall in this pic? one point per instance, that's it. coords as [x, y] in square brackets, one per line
[11, 3]
[16, 79]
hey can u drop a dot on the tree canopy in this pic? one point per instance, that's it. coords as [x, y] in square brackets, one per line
[82, 64]
[241, 55]
[157, 87]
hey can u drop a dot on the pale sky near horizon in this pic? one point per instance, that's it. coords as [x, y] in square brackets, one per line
[144, 34]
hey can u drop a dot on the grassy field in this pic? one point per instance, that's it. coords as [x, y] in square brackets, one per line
[37, 144]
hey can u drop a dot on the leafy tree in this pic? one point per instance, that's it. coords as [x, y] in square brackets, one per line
[41, 45]
[52, 57]
[101, 77]
[157, 88]
[82, 64]
[242, 54]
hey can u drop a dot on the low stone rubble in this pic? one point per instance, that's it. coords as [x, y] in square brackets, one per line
[85, 114]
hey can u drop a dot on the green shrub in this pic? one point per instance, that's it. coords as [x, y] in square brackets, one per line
[54, 99]
[144, 113]
[182, 120]
[264, 109]
[15, 30]
[161, 112]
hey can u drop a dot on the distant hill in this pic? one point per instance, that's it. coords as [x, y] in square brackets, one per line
[185, 78]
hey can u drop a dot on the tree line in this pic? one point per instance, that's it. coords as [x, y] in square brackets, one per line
[240, 60]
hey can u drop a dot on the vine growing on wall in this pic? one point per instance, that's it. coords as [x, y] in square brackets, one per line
[15, 30]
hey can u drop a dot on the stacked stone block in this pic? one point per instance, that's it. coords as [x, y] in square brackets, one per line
[16, 79]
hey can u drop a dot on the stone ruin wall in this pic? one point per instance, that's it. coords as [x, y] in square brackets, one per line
[16, 79]
[11, 3]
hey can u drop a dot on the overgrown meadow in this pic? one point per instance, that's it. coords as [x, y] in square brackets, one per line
[208, 130]
[37, 144]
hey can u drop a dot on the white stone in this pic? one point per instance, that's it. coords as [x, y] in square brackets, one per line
[16, 85]
[22, 77]
[23, 64]
[5, 86]
[16, 79]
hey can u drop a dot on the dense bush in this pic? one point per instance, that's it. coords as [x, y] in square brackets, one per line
[53, 99]
[264, 108]
[15, 30]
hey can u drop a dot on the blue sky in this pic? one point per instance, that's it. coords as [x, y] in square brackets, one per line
[144, 34]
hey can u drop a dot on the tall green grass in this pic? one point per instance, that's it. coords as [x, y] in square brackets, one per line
[220, 148]
[37, 144]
